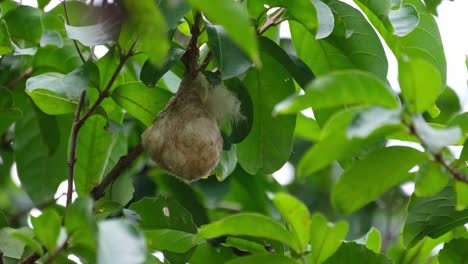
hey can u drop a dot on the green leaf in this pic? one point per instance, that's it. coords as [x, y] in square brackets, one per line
[173, 11]
[430, 179]
[79, 214]
[209, 254]
[145, 22]
[26, 236]
[5, 42]
[461, 191]
[325, 238]
[454, 252]
[51, 38]
[244, 245]
[120, 242]
[42, 3]
[307, 128]
[369, 120]
[25, 23]
[169, 239]
[233, 17]
[268, 145]
[296, 214]
[52, 103]
[370, 177]
[47, 228]
[163, 213]
[140, 101]
[356, 46]
[355, 253]
[432, 216]
[460, 120]
[248, 224]
[436, 138]
[106, 32]
[325, 19]
[262, 258]
[121, 190]
[340, 88]
[404, 20]
[372, 240]
[11, 246]
[420, 83]
[150, 74]
[93, 150]
[227, 164]
[230, 60]
[35, 166]
[62, 60]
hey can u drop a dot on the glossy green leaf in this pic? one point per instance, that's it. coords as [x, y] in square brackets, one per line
[357, 47]
[233, 17]
[436, 138]
[169, 239]
[340, 88]
[52, 103]
[355, 253]
[432, 216]
[248, 224]
[163, 213]
[120, 242]
[370, 177]
[269, 143]
[5, 44]
[61, 60]
[35, 166]
[245, 245]
[325, 18]
[263, 258]
[106, 32]
[140, 101]
[24, 23]
[47, 228]
[209, 254]
[372, 240]
[420, 83]
[145, 22]
[150, 74]
[121, 190]
[454, 252]
[325, 238]
[229, 58]
[227, 163]
[93, 150]
[296, 214]
[307, 128]
[368, 121]
[430, 179]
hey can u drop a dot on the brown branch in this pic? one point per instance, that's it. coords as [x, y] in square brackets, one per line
[74, 140]
[31, 259]
[121, 165]
[13, 217]
[271, 21]
[190, 57]
[67, 18]
[56, 253]
[11, 84]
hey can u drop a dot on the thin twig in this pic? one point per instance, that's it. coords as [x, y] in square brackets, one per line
[11, 84]
[271, 21]
[121, 165]
[31, 259]
[13, 217]
[74, 140]
[190, 57]
[67, 18]
[56, 253]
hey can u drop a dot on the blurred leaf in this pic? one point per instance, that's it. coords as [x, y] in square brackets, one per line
[26, 236]
[163, 213]
[461, 191]
[432, 216]
[145, 22]
[173, 11]
[242, 128]
[454, 252]
[355, 253]
[5, 42]
[94, 146]
[372, 240]
[404, 20]
[325, 19]
[121, 190]
[432, 5]
[370, 177]
[42, 3]
[460, 120]
[307, 128]
[350, 87]
[268, 145]
[420, 83]
[47, 228]
[430, 179]
[208, 254]
[325, 238]
[357, 48]
[245, 245]
[169, 239]
[227, 164]
[25, 23]
[448, 104]
[62, 60]
[369, 120]
[51, 38]
[11, 246]
[150, 74]
[248, 224]
[233, 17]
[436, 138]
[120, 242]
[262, 258]
[79, 215]
[229, 58]
[106, 32]
[140, 101]
[296, 215]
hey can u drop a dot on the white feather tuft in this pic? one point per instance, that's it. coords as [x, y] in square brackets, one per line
[224, 105]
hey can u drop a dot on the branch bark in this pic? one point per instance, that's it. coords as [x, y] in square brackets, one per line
[11, 84]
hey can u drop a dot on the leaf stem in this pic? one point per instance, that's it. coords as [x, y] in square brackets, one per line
[271, 21]
[11, 84]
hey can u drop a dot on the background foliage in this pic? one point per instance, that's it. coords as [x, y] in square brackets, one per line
[68, 115]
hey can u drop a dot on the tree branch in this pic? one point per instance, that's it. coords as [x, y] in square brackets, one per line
[121, 165]
[31, 259]
[67, 18]
[190, 57]
[271, 21]
[11, 84]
